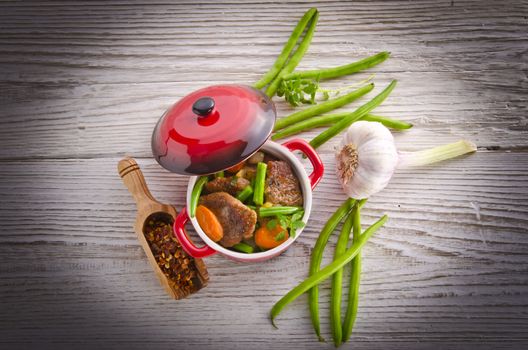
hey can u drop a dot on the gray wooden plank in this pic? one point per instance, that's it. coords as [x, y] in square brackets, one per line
[115, 69]
[449, 267]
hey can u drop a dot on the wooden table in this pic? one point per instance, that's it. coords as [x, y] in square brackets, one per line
[83, 85]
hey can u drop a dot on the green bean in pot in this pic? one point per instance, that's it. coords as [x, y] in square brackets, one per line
[196, 192]
[260, 182]
[243, 248]
[278, 210]
[245, 194]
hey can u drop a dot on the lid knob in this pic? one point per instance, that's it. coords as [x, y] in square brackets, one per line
[203, 106]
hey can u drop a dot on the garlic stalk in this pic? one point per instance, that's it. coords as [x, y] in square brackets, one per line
[367, 158]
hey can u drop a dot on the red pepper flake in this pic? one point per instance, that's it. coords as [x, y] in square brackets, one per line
[173, 261]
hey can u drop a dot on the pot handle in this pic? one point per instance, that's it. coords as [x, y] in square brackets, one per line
[317, 163]
[187, 245]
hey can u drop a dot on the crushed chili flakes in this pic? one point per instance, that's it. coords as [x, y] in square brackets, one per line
[173, 261]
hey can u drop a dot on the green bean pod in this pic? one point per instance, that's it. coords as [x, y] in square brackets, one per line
[308, 124]
[286, 50]
[337, 281]
[243, 248]
[245, 193]
[358, 113]
[388, 122]
[322, 107]
[317, 257]
[335, 72]
[195, 194]
[355, 277]
[260, 181]
[326, 272]
[279, 210]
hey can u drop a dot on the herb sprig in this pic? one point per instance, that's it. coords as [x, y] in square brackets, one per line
[288, 222]
[298, 91]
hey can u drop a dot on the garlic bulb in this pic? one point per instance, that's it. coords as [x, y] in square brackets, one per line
[367, 158]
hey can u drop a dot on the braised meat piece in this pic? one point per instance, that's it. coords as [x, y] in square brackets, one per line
[231, 185]
[282, 186]
[237, 220]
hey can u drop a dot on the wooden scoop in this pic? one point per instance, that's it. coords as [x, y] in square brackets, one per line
[148, 209]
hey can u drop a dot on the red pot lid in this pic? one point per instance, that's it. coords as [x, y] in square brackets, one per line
[213, 129]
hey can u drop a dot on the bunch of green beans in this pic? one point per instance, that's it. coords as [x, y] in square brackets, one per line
[335, 301]
[326, 272]
[295, 58]
[287, 49]
[358, 113]
[317, 258]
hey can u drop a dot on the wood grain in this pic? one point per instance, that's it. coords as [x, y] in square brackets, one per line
[83, 85]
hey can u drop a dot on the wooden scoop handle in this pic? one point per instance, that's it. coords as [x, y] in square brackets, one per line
[133, 178]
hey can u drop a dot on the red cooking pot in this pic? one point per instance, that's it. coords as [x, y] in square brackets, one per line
[215, 128]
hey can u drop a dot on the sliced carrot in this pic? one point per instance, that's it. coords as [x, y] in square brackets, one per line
[209, 223]
[236, 168]
[267, 239]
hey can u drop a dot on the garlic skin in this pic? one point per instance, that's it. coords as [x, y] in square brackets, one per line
[366, 159]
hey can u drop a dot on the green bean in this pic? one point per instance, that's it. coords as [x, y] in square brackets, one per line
[388, 122]
[307, 124]
[272, 211]
[328, 73]
[243, 248]
[260, 179]
[337, 281]
[322, 107]
[295, 58]
[195, 194]
[252, 207]
[326, 272]
[286, 50]
[245, 193]
[317, 257]
[358, 113]
[355, 276]
[219, 174]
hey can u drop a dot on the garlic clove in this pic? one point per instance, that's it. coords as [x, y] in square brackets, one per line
[366, 183]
